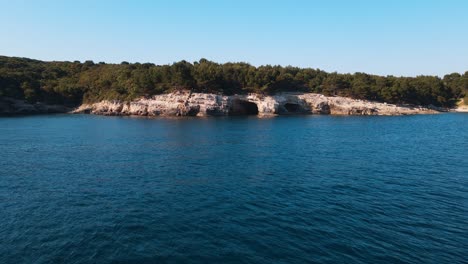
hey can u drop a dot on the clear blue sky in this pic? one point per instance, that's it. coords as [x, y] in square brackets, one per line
[398, 37]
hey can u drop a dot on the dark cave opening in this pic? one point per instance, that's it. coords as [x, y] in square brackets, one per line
[241, 107]
[293, 108]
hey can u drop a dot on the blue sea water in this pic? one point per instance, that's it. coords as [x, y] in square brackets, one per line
[297, 189]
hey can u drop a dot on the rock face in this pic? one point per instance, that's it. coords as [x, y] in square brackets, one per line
[9, 106]
[461, 109]
[462, 106]
[205, 104]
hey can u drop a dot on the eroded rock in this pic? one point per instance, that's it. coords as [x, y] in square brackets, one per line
[204, 104]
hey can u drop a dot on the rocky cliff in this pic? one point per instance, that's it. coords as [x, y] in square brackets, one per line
[205, 104]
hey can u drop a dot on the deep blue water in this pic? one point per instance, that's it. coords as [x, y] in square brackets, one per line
[92, 189]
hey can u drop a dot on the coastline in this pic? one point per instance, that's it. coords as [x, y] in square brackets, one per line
[15, 107]
[185, 103]
[460, 109]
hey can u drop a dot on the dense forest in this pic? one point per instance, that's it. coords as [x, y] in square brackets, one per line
[71, 83]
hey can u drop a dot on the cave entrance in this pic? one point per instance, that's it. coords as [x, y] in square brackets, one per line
[293, 108]
[241, 107]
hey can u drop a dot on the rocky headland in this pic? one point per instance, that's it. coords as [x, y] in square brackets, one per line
[186, 103]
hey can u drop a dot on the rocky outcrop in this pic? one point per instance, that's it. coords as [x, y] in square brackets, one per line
[9, 106]
[205, 104]
[462, 107]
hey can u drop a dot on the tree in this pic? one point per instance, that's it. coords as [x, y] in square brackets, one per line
[30, 94]
[74, 82]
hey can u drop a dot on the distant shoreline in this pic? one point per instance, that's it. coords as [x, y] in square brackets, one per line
[71, 83]
[186, 103]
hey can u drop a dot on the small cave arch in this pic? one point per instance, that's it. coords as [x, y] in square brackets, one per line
[242, 107]
[291, 109]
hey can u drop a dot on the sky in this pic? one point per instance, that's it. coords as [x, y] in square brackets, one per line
[388, 37]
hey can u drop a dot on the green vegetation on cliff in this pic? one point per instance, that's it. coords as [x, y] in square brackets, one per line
[71, 83]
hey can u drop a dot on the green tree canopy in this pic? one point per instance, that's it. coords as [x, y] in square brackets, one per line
[71, 83]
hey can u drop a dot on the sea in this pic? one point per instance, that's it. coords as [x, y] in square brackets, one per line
[293, 189]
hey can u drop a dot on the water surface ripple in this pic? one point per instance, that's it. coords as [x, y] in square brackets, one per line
[315, 189]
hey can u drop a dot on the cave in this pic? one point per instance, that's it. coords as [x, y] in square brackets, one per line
[241, 107]
[293, 108]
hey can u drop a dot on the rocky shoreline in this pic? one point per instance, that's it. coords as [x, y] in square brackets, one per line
[186, 103]
[206, 104]
[460, 109]
[13, 107]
